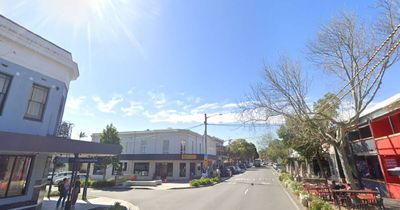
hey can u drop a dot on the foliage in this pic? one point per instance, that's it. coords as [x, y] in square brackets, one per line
[204, 181]
[101, 184]
[277, 151]
[64, 130]
[117, 206]
[240, 149]
[110, 136]
[54, 193]
[318, 204]
[82, 135]
[296, 186]
[284, 176]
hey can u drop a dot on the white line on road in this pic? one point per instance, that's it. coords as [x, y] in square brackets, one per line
[245, 192]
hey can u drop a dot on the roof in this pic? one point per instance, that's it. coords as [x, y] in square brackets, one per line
[381, 108]
[15, 142]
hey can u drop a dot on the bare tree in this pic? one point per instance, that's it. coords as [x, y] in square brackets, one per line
[350, 51]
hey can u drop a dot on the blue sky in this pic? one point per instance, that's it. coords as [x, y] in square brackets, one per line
[159, 64]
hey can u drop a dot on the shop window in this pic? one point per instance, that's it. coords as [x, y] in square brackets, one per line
[98, 169]
[169, 169]
[14, 172]
[124, 166]
[182, 169]
[141, 169]
[374, 167]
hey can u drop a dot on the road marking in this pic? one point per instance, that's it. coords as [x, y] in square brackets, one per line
[247, 190]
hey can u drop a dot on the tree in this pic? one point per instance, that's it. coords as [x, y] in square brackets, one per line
[277, 151]
[82, 135]
[110, 136]
[64, 130]
[345, 48]
[241, 150]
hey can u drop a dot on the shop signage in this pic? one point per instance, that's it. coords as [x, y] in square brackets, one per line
[189, 157]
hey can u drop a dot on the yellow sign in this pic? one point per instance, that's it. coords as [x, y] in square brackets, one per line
[189, 157]
[205, 162]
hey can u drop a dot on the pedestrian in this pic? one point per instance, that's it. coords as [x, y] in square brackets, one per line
[75, 191]
[62, 191]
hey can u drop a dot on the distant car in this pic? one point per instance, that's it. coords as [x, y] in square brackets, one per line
[257, 163]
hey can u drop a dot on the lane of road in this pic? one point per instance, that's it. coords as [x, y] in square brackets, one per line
[256, 189]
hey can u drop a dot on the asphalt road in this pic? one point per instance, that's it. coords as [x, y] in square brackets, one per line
[256, 189]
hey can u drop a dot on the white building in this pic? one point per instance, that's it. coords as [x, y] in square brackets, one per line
[172, 153]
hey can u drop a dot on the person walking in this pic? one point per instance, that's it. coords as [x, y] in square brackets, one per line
[63, 192]
[75, 191]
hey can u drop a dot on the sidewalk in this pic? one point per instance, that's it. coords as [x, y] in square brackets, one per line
[391, 203]
[164, 186]
[95, 203]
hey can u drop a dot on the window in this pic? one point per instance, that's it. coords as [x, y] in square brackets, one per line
[182, 169]
[143, 145]
[141, 169]
[14, 172]
[165, 147]
[37, 102]
[183, 147]
[124, 166]
[5, 81]
[164, 169]
[98, 169]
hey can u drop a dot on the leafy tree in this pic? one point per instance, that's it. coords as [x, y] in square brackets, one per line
[277, 151]
[64, 130]
[240, 149]
[110, 136]
[82, 135]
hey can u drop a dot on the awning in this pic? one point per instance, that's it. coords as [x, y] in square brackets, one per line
[15, 142]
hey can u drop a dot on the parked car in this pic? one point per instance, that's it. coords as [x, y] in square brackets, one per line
[233, 169]
[58, 177]
[257, 163]
[226, 172]
[242, 166]
[239, 169]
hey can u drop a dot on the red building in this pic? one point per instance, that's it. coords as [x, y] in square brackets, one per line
[383, 121]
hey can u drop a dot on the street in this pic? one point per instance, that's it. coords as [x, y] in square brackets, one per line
[257, 188]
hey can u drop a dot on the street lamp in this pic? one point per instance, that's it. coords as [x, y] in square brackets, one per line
[205, 138]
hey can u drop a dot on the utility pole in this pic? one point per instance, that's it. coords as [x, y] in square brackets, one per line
[205, 144]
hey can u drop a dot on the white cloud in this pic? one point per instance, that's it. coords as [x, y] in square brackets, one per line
[158, 98]
[132, 109]
[74, 103]
[107, 106]
[205, 108]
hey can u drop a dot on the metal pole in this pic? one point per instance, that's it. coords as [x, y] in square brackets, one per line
[84, 194]
[52, 177]
[72, 181]
[205, 142]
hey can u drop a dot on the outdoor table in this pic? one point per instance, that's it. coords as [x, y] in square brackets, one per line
[358, 198]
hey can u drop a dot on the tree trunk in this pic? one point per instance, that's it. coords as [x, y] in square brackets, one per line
[308, 168]
[346, 165]
[104, 173]
[321, 168]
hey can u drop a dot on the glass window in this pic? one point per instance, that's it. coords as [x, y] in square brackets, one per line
[141, 169]
[183, 147]
[143, 145]
[6, 164]
[169, 169]
[98, 169]
[4, 86]
[182, 169]
[165, 147]
[19, 176]
[14, 172]
[37, 102]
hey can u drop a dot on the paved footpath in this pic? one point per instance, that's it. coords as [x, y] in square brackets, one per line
[95, 203]
[256, 189]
